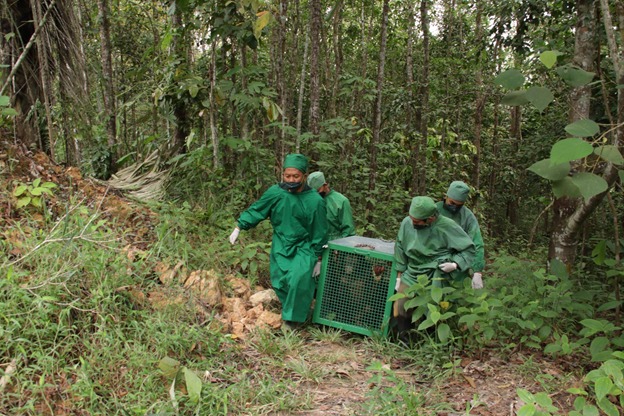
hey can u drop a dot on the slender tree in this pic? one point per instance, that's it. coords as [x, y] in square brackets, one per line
[419, 168]
[108, 90]
[180, 110]
[315, 77]
[569, 213]
[44, 73]
[375, 140]
[480, 97]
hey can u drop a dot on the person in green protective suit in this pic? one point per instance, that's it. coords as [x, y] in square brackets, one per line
[453, 207]
[339, 214]
[299, 219]
[428, 244]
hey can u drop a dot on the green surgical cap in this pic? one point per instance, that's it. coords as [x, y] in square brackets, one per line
[297, 161]
[422, 207]
[316, 180]
[458, 191]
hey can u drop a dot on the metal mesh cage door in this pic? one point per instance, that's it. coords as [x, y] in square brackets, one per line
[357, 278]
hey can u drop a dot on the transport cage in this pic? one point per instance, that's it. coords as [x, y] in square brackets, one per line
[357, 278]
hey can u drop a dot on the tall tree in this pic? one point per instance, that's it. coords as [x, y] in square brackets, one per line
[569, 213]
[108, 93]
[315, 76]
[180, 110]
[337, 44]
[480, 97]
[370, 204]
[43, 49]
[419, 148]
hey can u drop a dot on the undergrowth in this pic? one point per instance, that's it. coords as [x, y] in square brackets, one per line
[79, 336]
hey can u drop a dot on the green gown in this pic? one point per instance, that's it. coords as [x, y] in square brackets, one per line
[339, 216]
[418, 252]
[299, 223]
[466, 219]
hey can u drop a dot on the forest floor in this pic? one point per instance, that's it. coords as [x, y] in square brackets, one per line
[484, 383]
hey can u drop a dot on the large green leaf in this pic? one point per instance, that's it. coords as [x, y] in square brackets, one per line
[515, 98]
[540, 97]
[436, 294]
[583, 128]
[427, 323]
[169, 367]
[444, 332]
[193, 385]
[4, 100]
[610, 154]
[19, 190]
[565, 187]
[558, 268]
[510, 79]
[549, 58]
[574, 76]
[570, 149]
[608, 408]
[547, 170]
[589, 184]
[527, 410]
[8, 112]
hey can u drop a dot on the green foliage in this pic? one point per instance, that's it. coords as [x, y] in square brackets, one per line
[33, 194]
[567, 150]
[549, 170]
[540, 312]
[582, 182]
[5, 107]
[172, 370]
[539, 404]
[391, 395]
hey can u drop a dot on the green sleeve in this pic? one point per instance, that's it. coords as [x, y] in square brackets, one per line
[259, 210]
[479, 261]
[461, 246]
[474, 231]
[319, 228]
[400, 259]
[347, 228]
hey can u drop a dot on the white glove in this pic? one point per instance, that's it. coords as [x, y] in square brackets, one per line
[397, 284]
[477, 281]
[317, 269]
[448, 267]
[234, 235]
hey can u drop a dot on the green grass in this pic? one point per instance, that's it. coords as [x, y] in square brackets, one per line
[85, 344]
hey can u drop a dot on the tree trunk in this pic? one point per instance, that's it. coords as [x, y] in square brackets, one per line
[337, 22]
[423, 96]
[214, 134]
[412, 182]
[23, 77]
[110, 120]
[281, 72]
[301, 93]
[370, 202]
[570, 213]
[44, 74]
[315, 83]
[180, 112]
[480, 99]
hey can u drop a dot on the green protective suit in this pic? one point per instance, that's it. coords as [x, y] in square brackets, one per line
[419, 252]
[339, 216]
[299, 223]
[466, 219]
